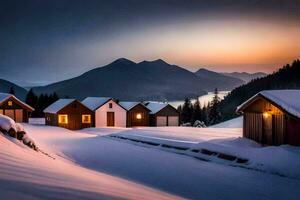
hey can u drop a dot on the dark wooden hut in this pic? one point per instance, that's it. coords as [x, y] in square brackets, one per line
[137, 114]
[272, 117]
[69, 113]
[162, 114]
[14, 108]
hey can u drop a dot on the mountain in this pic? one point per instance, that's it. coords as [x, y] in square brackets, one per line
[19, 91]
[247, 77]
[285, 78]
[212, 80]
[127, 80]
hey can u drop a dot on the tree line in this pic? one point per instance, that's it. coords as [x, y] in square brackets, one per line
[208, 114]
[39, 103]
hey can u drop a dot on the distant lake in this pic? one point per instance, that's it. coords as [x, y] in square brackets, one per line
[204, 99]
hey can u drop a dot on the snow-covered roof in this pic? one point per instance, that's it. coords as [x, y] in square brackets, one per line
[288, 100]
[128, 104]
[5, 96]
[58, 105]
[155, 106]
[94, 103]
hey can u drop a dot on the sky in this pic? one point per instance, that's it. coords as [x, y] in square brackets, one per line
[47, 41]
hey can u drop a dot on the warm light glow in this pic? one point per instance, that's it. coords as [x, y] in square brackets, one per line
[63, 119]
[86, 119]
[139, 116]
[10, 103]
[266, 115]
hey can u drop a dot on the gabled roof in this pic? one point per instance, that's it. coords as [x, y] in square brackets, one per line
[58, 105]
[155, 107]
[94, 103]
[128, 105]
[5, 96]
[287, 100]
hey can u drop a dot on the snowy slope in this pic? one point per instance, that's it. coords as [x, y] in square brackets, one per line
[233, 123]
[26, 174]
[176, 171]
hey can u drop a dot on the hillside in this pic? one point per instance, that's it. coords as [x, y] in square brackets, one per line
[285, 78]
[246, 77]
[212, 80]
[19, 91]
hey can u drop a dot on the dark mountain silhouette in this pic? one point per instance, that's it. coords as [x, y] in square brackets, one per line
[212, 80]
[285, 78]
[126, 80]
[5, 87]
[247, 77]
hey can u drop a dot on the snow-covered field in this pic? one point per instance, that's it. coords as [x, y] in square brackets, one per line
[148, 163]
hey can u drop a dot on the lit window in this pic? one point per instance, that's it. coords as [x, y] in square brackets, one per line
[139, 116]
[110, 105]
[1, 112]
[9, 103]
[63, 119]
[86, 119]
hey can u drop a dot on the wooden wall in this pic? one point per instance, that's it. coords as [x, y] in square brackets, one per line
[167, 111]
[133, 121]
[75, 110]
[16, 105]
[267, 129]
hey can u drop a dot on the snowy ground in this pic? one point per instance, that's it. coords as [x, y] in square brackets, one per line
[192, 163]
[27, 174]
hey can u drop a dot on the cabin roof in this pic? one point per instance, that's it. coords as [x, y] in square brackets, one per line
[155, 107]
[128, 105]
[94, 103]
[58, 105]
[5, 96]
[287, 100]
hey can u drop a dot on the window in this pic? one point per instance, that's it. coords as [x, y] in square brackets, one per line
[139, 116]
[1, 112]
[9, 103]
[86, 119]
[110, 105]
[62, 119]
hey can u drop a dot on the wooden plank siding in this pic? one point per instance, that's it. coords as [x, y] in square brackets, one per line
[166, 111]
[132, 119]
[74, 110]
[16, 105]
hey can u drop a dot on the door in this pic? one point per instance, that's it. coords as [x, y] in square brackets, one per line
[19, 115]
[110, 116]
[10, 113]
[173, 120]
[267, 129]
[161, 121]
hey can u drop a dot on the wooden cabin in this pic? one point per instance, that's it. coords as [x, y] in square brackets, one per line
[162, 114]
[272, 117]
[137, 114]
[69, 113]
[107, 112]
[14, 108]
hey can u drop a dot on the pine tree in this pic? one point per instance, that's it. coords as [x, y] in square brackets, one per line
[197, 112]
[11, 91]
[186, 112]
[32, 100]
[214, 115]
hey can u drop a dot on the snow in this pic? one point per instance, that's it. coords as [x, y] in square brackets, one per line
[7, 123]
[26, 174]
[94, 103]
[4, 96]
[36, 121]
[128, 104]
[233, 123]
[271, 172]
[58, 105]
[155, 107]
[289, 100]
